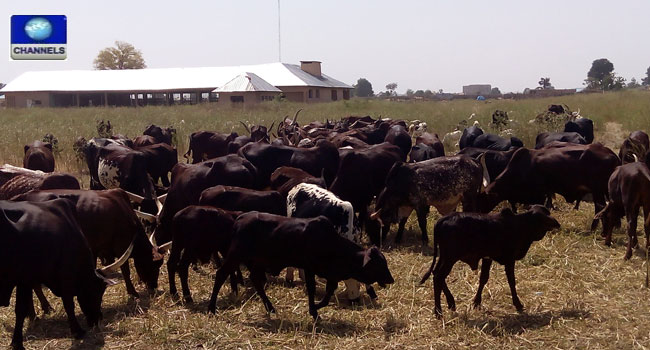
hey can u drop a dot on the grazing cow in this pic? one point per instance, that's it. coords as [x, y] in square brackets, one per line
[38, 156]
[200, 233]
[15, 180]
[545, 138]
[496, 142]
[629, 191]
[310, 201]
[144, 140]
[469, 237]
[43, 245]
[161, 135]
[371, 134]
[557, 109]
[243, 199]
[111, 228]
[398, 136]
[567, 169]
[469, 135]
[427, 146]
[160, 159]
[270, 243]
[322, 159]
[207, 145]
[495, 161]
[442, 182]
[117, 166]
[634, 147]
[583, 126]
[285, 178]
[189, 180]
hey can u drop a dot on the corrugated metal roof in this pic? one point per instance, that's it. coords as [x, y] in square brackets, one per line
[247, 82]
[160, 79]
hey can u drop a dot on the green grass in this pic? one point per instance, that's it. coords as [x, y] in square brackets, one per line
[578, 294]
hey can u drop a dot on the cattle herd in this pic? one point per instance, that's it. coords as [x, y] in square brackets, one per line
[298, 197]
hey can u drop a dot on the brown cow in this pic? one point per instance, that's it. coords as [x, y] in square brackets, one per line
[38, 156]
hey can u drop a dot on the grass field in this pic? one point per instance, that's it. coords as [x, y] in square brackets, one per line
[577, 293]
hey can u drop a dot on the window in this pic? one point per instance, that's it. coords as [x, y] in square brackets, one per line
[346, 94]
[335, 95]
[311, 93]
[214, 97]
[237, 99]
[267, 98]
[317, 93]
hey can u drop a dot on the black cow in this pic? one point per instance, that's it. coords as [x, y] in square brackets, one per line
[270, 243]
[469, 135]
[629, 191]
[442, 182]
[285, 178]
[111, 228]
[244, 199]
[38, 156]
[399, 136]
[634, 147]
[43, 245]
[199, 234]
[207, 145]
[322, 159]
[496, 142]
[160, 159]
[161, 135]
[115, 166]
[189, 180]
[427, 146]
[583, 126]
[469, 237]
[545, 138]
[567, 169]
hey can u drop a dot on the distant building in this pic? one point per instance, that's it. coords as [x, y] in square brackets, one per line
[477, 89]
[167, 86]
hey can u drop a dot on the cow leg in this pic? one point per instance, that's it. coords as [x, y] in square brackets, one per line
[513, 205]
[440, 273]
[352, 287]
[68, 306]
[486, 264]
[646, 226]
[599, 204]
[371, 291]
[23, 300]
[288, 277]
[228, 267]
[183, 274]
[126, 273]
[549, 202]
[510, 274]
[165, 180]
[632, 241]
[400, 230]
[310, 283]
[422, 212]
[258, 277]
[330, 288]
[172, 265]
[45, 305]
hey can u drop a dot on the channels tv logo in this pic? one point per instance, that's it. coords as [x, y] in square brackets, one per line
[41, 37]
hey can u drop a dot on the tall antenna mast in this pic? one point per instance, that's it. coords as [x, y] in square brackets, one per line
[279, 41]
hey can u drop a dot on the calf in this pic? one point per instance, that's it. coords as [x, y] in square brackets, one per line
[427, 146]
[38, 156]
[160, 159]
[243, 199]
[469, 237]
[284, 178]
[634, 147]
[199, 233]
[496, 142]
[270, 243]
[629, 191]
[205, 145]
[469, 135]
[545, 138]
[583, 126]
[442, 182]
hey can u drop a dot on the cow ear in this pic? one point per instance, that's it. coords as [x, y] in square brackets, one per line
[366, 257]
[26, 148]
[48, 146]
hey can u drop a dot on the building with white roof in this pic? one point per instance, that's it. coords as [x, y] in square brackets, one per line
[138, 87]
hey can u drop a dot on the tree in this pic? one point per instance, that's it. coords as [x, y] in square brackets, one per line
[646, 80]
[410, 92]
[2, 85]
[545, 83]
[600, 76]
[363, 88]
[419, 93]
[495, 91]
[429, 94]
[390, 88]
[633, 84]
[123, 56]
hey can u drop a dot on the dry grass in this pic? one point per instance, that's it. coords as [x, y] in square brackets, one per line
[577, 293]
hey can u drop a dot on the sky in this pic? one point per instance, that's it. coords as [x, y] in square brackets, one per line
[430, 44]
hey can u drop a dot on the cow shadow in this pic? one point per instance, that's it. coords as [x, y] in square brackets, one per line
[331, 326]
[57, 327]
[515, 324]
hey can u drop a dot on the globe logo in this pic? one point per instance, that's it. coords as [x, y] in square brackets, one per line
[38, 28]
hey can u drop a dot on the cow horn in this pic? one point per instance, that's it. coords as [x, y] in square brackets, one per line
[152, 238]
[162, 198]
[145, 216]
[295, 117]
[159, 206]
[112, 268]
[245, 127]
[165, 247]
[271, 127]
[636, 159]
[134, 197]
[486, 175]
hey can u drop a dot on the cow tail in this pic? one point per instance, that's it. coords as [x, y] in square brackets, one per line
[433, 263]
[189, 150]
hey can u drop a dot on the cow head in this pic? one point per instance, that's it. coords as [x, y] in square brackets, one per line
[375, 268]
[38, 144]
[539, 220]
[90, 296]
[393, 202]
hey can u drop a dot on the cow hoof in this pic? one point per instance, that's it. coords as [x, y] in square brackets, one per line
[17, 346]
[212, 309]
[188, 300]
[79, 334]
[520, 308]
[477, 305]
[355, 301]
[372, 294]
